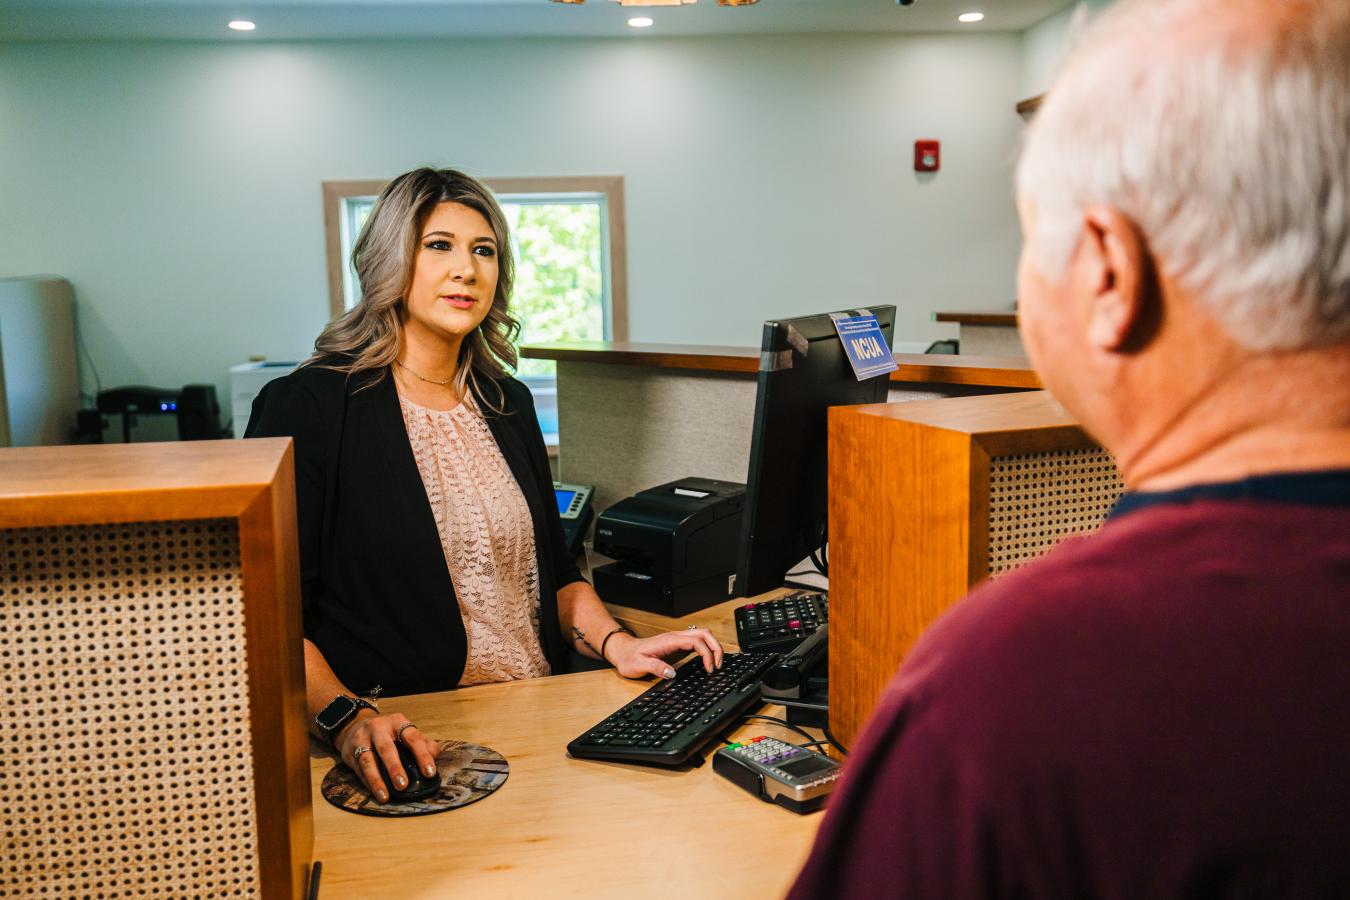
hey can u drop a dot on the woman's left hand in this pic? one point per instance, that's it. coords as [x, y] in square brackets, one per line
[636, 657]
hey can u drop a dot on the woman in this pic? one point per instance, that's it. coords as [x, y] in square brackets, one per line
[430, 546]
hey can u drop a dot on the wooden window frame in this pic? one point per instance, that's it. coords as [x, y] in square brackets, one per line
[334, 192]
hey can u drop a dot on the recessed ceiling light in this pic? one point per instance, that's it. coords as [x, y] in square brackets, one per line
[970, 17]
[641, 21]
[242, 25]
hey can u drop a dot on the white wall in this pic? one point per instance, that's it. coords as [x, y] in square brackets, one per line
[1045, 43]
[177, 184]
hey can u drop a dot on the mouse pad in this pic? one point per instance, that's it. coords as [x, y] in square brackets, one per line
[468, 773]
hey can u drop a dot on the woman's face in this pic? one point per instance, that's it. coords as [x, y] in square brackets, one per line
[454, 275]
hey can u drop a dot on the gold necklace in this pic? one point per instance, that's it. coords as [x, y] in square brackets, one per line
[400, 364]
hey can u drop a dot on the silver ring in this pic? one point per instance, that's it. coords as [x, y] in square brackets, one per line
[356, 754]
[691, 628]
[398, 735]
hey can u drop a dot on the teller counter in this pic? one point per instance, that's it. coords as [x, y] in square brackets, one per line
[563, 827]
[634, 415]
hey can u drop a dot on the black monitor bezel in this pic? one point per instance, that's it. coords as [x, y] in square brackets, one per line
[769, 549]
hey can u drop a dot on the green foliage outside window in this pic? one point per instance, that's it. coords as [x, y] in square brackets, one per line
[559, 281]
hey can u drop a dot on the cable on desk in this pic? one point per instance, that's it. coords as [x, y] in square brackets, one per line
[786, 724]
[830, 737]
[775, 720]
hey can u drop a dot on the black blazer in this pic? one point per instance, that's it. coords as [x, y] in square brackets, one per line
[375, 587]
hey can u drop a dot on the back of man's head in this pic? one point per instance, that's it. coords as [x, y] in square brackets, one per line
[1222, 127]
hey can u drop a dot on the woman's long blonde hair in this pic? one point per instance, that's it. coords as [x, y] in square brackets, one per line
[370, 334]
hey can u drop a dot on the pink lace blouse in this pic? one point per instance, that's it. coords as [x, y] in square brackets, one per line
[488, 539]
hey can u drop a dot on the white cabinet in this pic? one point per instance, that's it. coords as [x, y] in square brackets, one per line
[39, 371]
[246, 380]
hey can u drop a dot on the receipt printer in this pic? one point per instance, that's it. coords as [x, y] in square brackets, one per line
[675, 546]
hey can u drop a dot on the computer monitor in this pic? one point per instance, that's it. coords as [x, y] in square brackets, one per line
[803, 371]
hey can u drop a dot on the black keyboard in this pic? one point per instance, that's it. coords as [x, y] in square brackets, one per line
[779, 625]
[670, 721]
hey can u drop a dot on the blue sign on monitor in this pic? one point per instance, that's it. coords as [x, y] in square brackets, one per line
[865, 345]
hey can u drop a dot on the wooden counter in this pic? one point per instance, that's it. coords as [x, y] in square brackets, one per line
[151, 671]
[563, 827]
[973, 488]
[986, 332]
[915, 368]
[634, 415]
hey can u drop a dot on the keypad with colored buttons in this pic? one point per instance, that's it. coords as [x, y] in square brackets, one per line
[776, 626]
[793, 777]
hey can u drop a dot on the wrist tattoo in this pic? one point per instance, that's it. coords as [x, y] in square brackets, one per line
[577, 635]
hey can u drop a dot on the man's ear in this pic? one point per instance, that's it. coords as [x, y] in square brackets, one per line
[1123, 314]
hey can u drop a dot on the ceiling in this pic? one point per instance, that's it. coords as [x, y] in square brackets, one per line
[29, 20]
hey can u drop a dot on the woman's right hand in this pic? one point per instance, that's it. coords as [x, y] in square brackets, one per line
[378, 733]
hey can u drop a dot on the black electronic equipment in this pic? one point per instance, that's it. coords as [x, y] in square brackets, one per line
[949, 346]
[194, 408]
[671, 720]
[800, 681]
[789, 678]
[776, 772]
[198, 413]
[803, 372]
[778, 625]
[138, 400]
[574, 508]
[674, 546]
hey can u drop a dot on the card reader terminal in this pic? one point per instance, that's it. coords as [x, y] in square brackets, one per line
[572, 498]
[574, 508]
[793, 777]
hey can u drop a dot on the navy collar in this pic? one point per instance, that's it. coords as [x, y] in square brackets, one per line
[1325, 488]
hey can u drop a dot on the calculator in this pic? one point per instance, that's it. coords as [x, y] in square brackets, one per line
[776, 626]
[776, 772]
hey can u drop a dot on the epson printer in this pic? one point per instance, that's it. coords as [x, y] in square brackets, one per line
[675, 546]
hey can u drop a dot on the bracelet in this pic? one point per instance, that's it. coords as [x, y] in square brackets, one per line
[606, 641]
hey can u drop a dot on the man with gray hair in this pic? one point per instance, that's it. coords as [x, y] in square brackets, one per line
[1161, 709]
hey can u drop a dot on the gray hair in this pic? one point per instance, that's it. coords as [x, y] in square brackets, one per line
[370, 334]
[1222, 129]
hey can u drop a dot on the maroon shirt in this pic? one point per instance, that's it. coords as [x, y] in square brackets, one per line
[1160, 710]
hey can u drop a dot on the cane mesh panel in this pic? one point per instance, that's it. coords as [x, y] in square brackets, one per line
[1037, 498]
[127, 765]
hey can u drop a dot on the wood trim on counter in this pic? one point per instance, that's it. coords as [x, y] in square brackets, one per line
[139, 482]
[251, 482]
[984, 371]
[658, 356]
[934, 368]
[977, 318]
[905, 547]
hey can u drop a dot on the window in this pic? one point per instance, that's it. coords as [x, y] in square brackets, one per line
[568, 238]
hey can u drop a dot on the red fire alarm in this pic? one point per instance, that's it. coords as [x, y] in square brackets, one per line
[927, 156]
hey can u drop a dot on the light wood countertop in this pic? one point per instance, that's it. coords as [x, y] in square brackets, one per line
[561, 826]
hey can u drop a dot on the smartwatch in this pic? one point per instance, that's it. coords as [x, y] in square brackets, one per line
[338, 713]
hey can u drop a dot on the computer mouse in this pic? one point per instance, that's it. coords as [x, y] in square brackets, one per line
[420, 787]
